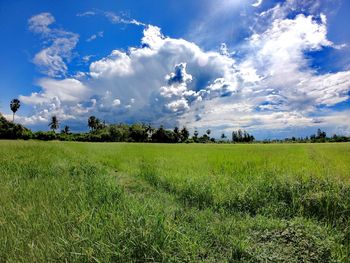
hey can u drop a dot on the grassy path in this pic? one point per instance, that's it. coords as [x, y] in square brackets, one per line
[168, 203]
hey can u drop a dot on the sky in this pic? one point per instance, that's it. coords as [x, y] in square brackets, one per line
[274, 68]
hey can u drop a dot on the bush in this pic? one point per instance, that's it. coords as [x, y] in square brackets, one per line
[10, 130]
[45, 136]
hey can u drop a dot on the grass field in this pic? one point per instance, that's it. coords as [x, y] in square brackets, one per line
[85, 202]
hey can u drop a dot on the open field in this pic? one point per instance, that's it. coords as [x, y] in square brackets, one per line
[85, 202]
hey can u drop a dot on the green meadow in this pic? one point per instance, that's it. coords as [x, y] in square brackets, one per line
[115, 202]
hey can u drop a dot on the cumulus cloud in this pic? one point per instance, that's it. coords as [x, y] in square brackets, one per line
[138, 79]
[176, 91]
[159, 76]
[66, 90]
[58, 97]
[180, 75]
[116, 64]
[289, 93]
[116, 102]
[59, 45]
[280, 58]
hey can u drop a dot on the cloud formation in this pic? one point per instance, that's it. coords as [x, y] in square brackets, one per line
[257, 3]
[95, 36]
[58, 45]
[112, 17]
[173, 81]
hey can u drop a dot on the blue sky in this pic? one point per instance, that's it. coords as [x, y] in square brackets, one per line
[274, 68]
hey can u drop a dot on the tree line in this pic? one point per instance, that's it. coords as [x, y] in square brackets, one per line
[318, 137]
[138, 132]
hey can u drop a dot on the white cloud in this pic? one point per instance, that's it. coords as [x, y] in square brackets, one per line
[180, 105]
[87, 13]
[117, 19]
[112, 17]
[116, 64]
[87, 58]
[52, 59]
[279, 56]
[66, 90]
[58, 97]
[156, 76]
[152, 37]
[116, 102]
[257, 3]
[40, 23]
[287, 91]
[95, 36]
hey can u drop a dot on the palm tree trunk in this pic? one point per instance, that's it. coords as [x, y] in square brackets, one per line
[13, 117]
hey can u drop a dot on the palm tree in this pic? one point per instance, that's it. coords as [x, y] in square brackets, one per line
[15, 105]
[54, 125]
[66, 130]
[208, 132]
[195, 136]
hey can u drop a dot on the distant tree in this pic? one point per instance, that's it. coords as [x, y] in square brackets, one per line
[195, 136]
[54, 125]
[66, 130]
[177, 135]
[320, 136]
[158, 135]
[185, 134]
[14, 105]
[223, 136]
[150, 130]
[163, 136]
[97, 124]
[92, 123]
[313, 138]
[138, 133]
[101, 124]
[242, 136]
[336, 138]
[234, 136]
[239, 135]
[208, 132]
[204, 139]
[119, 132]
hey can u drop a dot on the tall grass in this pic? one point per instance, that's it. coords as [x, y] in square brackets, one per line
[81, 202]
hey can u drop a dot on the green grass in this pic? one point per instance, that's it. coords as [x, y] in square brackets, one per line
[91, 202]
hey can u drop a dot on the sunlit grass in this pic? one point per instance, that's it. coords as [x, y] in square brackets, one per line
[95, 202]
